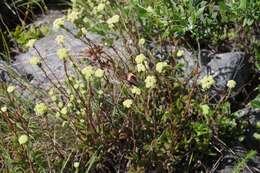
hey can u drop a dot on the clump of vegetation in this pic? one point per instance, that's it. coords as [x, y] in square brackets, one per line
[242, 162]
[122, 109]
[22, 35]
[13, 13]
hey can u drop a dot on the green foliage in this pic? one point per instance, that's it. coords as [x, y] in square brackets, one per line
[15, 12]
[241, 164]
[256, 102]
[23, 35]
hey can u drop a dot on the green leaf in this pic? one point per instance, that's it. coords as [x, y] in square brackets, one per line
[243, 4]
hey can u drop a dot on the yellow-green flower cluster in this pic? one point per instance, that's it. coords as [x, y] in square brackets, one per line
[142, 64]
[99, 73]
[63, 53]
[140, 58]
[149, 9]
[60, 39]
[73, 15]
[207, 81]
[113, 20]
[35, 60]
[53, 95]
[89, 72]
[141, 42]
[160, 66]
[23, 139]
[256, 136]
[76, 164]
[84, 31]
[150, 82]
[135, 90]
[40, 109]
[100, 7]
[141, 67]
[128, 103]
[231, 84]
[4, 109]
[10, 88]
[180, 53]
[64, 111]
[30, 43]
[58, 23]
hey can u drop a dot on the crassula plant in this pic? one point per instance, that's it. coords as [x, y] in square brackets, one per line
[135, 113]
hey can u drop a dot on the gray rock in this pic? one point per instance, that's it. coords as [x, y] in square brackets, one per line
[47, 47]
[228, 163]
[7, 71]
[164, 53]
[224, 66]
[3, 71]
[228, 66]
[252, 116]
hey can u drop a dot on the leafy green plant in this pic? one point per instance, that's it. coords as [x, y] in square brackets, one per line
[23, 35]
[16, 12]
[241, 164]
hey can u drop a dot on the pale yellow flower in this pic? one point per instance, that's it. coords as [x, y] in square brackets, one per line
[57, 115]
[160, 66]
[76, 164]
[135, 90]
[180, 53]
[63, 53]
[107, 2]
[64, 111]
[59, 39]
[40, 109]
[76, 86]
[101, 7]
[256, 136]
[23, 139]
[51, 92]
[54, 98]
[140, 58]
[150, 82]
[231, 84]
[114, 19]
[258, 124]
[60, 104]
[94, 11]
[73, 15]
[10, 89]
[141, 42]
[30, 43]
[99, 73]
[127, 103]
[58, 23]
[88, 72]
[111, 26]
[140, 68]
[150, 9]
[84, 31]
[35, 60]
[207, 81]
[4, 109]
